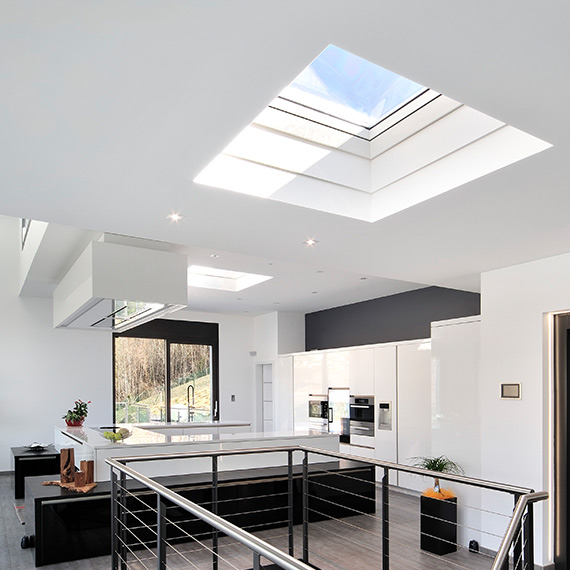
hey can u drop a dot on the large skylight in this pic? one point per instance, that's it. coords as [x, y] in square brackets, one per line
[346, 86]
[353, 139]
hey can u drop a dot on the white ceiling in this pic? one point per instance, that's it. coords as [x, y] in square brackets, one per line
[108, 111]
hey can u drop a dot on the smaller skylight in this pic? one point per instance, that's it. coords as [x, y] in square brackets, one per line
[223, 279]
[346, 86]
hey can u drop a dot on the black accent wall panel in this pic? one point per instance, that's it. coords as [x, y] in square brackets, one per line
[405, 316]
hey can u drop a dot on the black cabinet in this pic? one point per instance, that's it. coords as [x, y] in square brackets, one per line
[68, 526]
[28, 463]
[438, 525]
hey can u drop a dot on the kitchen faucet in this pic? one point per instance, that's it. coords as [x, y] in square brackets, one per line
[190, 408]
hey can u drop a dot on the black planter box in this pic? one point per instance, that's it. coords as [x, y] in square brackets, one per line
[438, 525]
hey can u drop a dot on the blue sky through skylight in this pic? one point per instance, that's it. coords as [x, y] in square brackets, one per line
[350, 88]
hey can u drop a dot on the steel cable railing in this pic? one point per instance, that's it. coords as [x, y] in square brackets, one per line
[329, 498]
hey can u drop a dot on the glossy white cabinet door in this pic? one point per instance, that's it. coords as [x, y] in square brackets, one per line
[283, 397]
[337, 365]
[455, 386]
[301, 391]
[361, 371]
[385, 392]
[414, 409]
[316, 372]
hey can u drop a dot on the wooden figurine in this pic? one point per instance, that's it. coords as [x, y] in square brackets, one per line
[88, 468]
[67, 465]
[80, 479]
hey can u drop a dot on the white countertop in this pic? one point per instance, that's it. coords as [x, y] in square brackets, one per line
[145, 436]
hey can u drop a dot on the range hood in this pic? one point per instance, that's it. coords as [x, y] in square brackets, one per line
[116, 287]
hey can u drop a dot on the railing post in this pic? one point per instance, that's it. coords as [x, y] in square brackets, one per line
[123, 520]
[114, 521]
[306, 507]
[517, 542]
[215, 556]
[529, 538]
[256, 561]
[160, 533]
[290, 501]
[385, 520]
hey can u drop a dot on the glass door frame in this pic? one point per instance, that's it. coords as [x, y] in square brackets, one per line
[179, 332]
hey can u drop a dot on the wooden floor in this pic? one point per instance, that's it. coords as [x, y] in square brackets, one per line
[353, 543]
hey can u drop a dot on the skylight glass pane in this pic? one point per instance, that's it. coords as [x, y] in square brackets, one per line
[346, 86]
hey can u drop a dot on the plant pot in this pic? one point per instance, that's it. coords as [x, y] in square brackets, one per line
[438, 525]
[74, 423]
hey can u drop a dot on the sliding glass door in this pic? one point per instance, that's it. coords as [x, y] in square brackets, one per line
[166, 379]
[190, 382]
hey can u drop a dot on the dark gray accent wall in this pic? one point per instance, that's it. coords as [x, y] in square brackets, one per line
[405, 316]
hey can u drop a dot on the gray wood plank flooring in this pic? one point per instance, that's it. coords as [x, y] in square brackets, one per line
[353, 543]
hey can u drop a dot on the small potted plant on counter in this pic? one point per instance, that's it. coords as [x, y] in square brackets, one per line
[76, 416]
[438, 508]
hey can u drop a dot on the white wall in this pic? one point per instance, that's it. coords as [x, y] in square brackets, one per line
[290, 332]
[236, 340]
[43, 370]
[514, 348]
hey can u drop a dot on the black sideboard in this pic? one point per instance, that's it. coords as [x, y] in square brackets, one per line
[70, 526]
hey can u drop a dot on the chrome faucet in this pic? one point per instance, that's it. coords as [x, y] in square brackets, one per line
[190, 407]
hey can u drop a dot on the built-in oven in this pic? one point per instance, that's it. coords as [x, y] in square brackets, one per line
[318, 413]
[362, 416]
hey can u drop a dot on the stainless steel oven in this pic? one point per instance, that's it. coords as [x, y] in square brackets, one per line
[362, 415]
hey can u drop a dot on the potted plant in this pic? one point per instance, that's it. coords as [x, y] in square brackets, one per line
[76, 416]
[438, 508]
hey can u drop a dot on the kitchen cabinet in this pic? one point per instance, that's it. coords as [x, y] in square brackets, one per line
[337, 365]
[414, 408]
[361, 371]
[283, 395]
[385, 394]
[455, 386]
[316, 374]
[358, 450]
[301, 391]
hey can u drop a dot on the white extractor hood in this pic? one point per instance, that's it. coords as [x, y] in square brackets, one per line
[116, 287]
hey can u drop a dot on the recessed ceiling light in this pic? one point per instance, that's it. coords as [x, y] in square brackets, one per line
[314, 292]
[175, 217]
[310, 242]
[215, 255]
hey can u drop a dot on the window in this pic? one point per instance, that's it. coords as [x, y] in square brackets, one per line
[166, 371]
[343, 85]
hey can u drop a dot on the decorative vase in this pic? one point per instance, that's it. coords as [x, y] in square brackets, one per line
[75, 423]
[438, 525]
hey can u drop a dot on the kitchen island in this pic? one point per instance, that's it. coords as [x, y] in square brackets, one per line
[157, 439]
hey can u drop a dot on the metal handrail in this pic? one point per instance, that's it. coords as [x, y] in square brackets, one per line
[525, 497]
[482, 483]
[252, 542]
[514, 525]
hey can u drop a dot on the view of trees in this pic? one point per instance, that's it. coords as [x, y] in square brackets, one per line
[140, 380]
